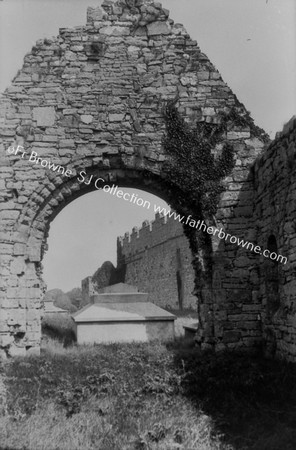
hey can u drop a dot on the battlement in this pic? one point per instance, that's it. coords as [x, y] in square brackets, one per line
[157, 259]
[151, 234]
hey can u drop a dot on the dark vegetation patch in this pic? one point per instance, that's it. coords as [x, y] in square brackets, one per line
[152, 396]
[59, 326]
[252, 399]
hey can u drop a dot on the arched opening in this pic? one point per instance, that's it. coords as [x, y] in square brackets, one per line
[49, 198]
[83, 236]
[142, 255]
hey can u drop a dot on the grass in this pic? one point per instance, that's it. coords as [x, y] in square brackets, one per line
[147, 396]
[59, 327]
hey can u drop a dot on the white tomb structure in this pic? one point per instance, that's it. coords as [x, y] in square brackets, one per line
[119, 313]
[50, 308]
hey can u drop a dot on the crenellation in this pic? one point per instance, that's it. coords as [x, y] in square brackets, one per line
[155, 241]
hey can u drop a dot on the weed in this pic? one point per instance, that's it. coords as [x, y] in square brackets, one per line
[147, 396]
[60, 327]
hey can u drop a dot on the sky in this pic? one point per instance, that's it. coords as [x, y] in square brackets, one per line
[251, 42]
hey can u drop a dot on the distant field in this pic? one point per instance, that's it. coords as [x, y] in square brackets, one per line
[147, 397]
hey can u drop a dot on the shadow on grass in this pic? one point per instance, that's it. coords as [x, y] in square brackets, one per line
[148, 396]
[252, 400]
[60, 327]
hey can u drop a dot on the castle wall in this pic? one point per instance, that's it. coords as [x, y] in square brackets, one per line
[158, 260]
[275, 207]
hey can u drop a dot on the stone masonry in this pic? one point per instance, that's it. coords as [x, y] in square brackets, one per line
[91, 100]
[157, 259]
[104, 276]
[275, 209]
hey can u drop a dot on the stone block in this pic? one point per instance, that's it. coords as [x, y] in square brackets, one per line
[67, 143]
[34, 253]
[94, 14]
[17, 266]
[5, 249]
[10, 214]
[242, 317]
[45, 116]
[231, 336]
[141, 31]
[115, 31]
[238, 135]
[209, 111]
[77, 48]
[203, 75]
[9, 303]
[242, 261]
[6, 340]
[157, 28]
[116, 117]
[86, 118]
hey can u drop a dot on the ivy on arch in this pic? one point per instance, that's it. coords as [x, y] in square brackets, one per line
[192, 170]
[199, 158]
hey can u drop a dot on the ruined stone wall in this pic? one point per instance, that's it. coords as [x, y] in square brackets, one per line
[91, 100]
[275, 182]
[105, 275]
[158, 260]
[87, 289]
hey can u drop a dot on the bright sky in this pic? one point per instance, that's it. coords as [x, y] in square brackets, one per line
[251, 42]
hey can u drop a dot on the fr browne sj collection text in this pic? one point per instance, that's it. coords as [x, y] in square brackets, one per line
[35, 159]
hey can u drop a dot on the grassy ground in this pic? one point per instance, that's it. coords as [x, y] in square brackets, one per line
[147, 396]
[60, 327]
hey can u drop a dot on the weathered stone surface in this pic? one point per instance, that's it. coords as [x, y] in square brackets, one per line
[87, 118]
[92, 101]
[158, 28]
[94, 14]
[45, 116]
[161, 249]
[116, 117]
[17, 266]
[275, 214]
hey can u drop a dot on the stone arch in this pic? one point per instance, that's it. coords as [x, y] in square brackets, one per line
[91, 100]
[40, 212]
[45, 203]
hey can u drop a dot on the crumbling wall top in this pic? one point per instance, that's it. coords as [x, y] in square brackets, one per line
[141, 12]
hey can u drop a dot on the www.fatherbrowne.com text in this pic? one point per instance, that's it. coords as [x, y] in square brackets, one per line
[221, 234]
[101, 184]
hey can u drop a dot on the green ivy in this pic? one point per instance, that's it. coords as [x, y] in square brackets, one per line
[193, 172]
[191, 166]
